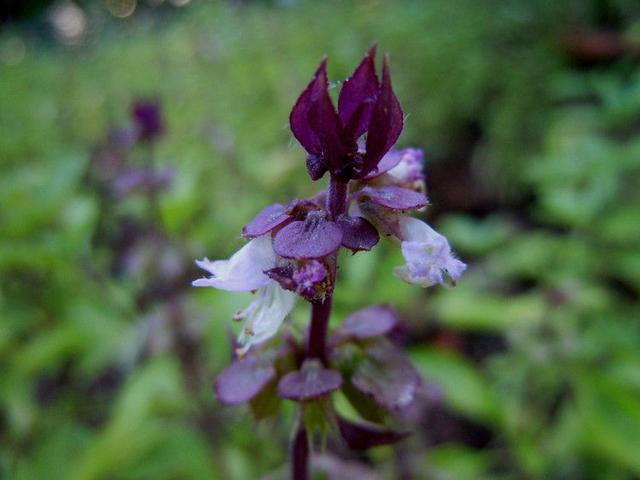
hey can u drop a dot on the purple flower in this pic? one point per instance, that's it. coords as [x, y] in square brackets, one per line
[365, 105]
[401, 168]
[293, 250]
[244, 272]
[384, 196]
[308, 277]
[148, 119]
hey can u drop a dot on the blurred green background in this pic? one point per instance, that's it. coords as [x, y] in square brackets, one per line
[529, 116]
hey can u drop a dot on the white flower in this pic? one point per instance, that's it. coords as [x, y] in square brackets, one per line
[243, 272]
[264, 315]
[428, 255]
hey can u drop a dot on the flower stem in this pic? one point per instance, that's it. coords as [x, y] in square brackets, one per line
[317, 342]
[300, 455]
[337, 197]
[318, 330]
[321, 311]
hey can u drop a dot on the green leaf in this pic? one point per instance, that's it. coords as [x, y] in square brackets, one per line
[464, 388]
[471, 309]
[459, 462]
[611, 416]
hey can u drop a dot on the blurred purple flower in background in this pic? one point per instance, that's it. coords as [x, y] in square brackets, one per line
[148, 119]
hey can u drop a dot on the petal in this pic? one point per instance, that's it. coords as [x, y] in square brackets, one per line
[361, 436]
[265, 315]
[357, 233]
[386, 163]
[428, 255]
[244, 379]
[396, 198]
[374, 321]
[403, 168]
[386, 123]
[268, 219]
[315, 237]
[386, 220]
[243, 271]
[409, 170]
[358, 96]
[387, 376]
[310, 382]
[298, 119]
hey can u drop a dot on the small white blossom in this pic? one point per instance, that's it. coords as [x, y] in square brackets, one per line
[265, 315]
[244, 271]
[428, 255]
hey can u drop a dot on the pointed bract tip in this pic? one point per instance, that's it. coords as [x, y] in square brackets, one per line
[386, 75]
[323, 65]
[373, 49]
[321, 70]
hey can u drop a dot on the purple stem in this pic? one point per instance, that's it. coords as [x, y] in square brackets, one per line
[337, 197]
[321, 311]
[300, 455]
[317, 340]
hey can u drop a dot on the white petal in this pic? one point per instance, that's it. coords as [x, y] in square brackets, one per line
[265, 315]
[428, 255]
[244, 270]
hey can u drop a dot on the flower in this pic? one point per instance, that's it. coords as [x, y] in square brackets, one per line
[244, 271]
[364, 105]
[264, 315]
[383, 197]
[148, 119]
[428, 255]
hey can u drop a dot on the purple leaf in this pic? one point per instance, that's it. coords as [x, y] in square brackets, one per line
[387, 376]
[299, 120]
[244, 379]
[299, 209]
[282, 275]
[386, 122]
[269, 218]
[325, 123]
[358, 96]
[316, 167]
[316, 237]
[310, 382]
[390, 160]
[361, 436]
[357, 233]
[374, 321]
[396, 198]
